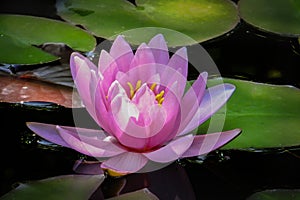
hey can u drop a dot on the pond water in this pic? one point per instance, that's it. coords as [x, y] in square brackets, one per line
[245, 52]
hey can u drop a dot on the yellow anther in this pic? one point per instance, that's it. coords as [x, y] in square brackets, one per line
[160, 95]
[138, 85]
[161, 101]
[153, 86]
[131, 89]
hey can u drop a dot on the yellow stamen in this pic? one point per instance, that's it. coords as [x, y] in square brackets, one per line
[131, 89]
[153, 86]
[138, 85]
[160, 95]
[161, 101]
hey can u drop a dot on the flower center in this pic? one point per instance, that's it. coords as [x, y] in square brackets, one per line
[158, 97]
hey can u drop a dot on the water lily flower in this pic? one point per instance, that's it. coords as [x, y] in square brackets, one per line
[139, 101]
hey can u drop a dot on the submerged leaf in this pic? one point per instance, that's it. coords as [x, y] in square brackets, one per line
[75, 187]
[268, 115]
[199, 19]
[18, 34]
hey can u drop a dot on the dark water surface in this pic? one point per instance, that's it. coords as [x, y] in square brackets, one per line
[245, 53]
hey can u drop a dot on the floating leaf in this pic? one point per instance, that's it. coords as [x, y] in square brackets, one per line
[75, 187]
[17, 90]
[19, 32]
[199, 19]
[268, 115]
[276, 16]
[16, 51]
[276, 194]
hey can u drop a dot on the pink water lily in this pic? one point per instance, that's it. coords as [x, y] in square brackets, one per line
[140, 103]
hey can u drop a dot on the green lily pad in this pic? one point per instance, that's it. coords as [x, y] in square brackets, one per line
[276, 16]
[18, 52]
[199, 19]
[268, 115]
[75, 187]
[276, 194]
[18, 34]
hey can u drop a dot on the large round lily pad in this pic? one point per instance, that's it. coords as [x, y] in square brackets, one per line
[276, 16]
[18, 34]
[268, 115]
[199, 19]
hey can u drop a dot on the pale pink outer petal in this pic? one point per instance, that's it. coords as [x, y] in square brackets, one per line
[105, 61]
[159, 49]
[204, 144]
[191, 100]
[98, 145]
[87, 141]
[128, 162]
[85, 76]
[143, 55]
[214, 98]
[101, 108]
[171, 151]
[122, 53]
[48, 132]
[179, 62]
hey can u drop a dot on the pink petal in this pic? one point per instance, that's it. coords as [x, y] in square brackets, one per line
[144, 98]
[159, 49]
[180, 61]
[123, 109]
[204, 144]
[143, 55]
[101, 108]
[214, 98]
[192, 99]
[85, 78]
[122, 53]
[90, 142]
[128, 162]
[78, 61]
[109, 76]
[157, 118]
[48, 132]
[171, 151]
[105, 61]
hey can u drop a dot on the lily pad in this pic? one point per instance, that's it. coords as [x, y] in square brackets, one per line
[276, 16]
[199, 19]
[75, 187]
[276, 194]
[19, 52]
[20, 90]
[268, 115]
[18, 34]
